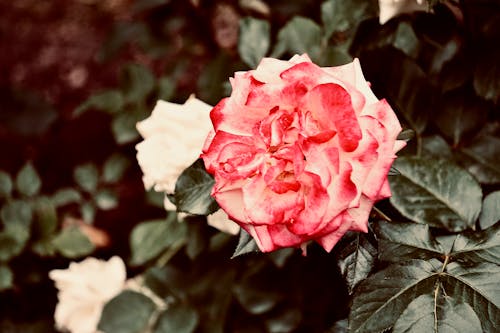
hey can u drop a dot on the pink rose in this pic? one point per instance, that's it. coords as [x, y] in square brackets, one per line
[300, 152]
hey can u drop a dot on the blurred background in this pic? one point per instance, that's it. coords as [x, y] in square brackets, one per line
[76, 76]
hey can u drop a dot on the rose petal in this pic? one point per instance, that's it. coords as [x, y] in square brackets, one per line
[331, 105]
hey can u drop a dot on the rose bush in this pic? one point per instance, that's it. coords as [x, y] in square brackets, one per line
[300, 152]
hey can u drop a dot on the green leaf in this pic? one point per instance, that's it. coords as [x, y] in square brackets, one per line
[137, 82]
[166, 88]
[335, 55]
[459, 114]
[6, 278]
[123, 127]
[16, 212]
[356, 261]
[155, 199]
[427, 313]
[167, 280]
[479, 246]
[246, 244]
[148, 239]
[340, 326]
[129, 312]
[393, 171]
[435, 192]
[5, 185]
[28, 181]
[254, 40]
[406, 135]
[106, 199]
[285, 320]
[477, 286]
[110, 101]
[407, 90]
[340, 16]
[45, 223]
[482, 156]
[12, 241]
[255, 300]
[299, 35]
[43, 248]
[436, 146]
[87, 212]
[72, 243]
[66, 196]
[380, 299]
[487, 76]
[114, 168]
[197, 241]
[122, 33]
[280, 257]
[178, 318]
[406, 40]
[86, 176]
[192, 190]
[491, 210]
[406, 241]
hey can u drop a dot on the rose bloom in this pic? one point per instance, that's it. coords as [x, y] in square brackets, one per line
[84, 288]
[301, 152]
[391, 8]
[173, 138]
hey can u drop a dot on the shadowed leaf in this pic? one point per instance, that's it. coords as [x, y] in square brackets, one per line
[435, 192]
[356, 261]
[254, 40]
[405, 241]
[192, 191]
[442, 314]
[380, 299]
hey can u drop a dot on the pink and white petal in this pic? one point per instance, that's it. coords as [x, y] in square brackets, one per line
[282, 237]
[240, 120]
[264, 206]
[298, 58]
[261, 236]
[212, 154]
[398, 145]
[383, 113]
[328, 241]
[316, 202]
[342, 192]
[231, 201]
[331, 106]
[269, 69]
[363, 160]
[306, 73]
[385, 191]
[361, 214]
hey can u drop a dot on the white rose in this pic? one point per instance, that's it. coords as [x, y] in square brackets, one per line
[173, 138]
[392, 8]
[174, 135]
[84, 288]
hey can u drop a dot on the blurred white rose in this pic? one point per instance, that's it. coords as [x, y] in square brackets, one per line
[392, 8]
[173, 138]
[84, 288]
[174, 135]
